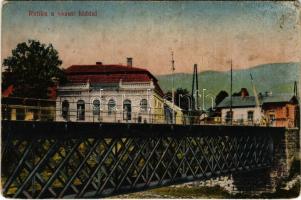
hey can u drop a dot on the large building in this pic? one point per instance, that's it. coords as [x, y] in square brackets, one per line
[110, 93]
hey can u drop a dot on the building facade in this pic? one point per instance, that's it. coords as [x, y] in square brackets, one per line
[110, 93]
[282, 111]
[244, 111]
[178, 118]
[274, 110]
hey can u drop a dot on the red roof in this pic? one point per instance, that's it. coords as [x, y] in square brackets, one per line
[52, 92]
[100, 73]
[100, 68]
[114, 78]
[8, 91]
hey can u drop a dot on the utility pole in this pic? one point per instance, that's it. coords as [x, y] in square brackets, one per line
[255, 92]
[295, 89]
[172, 89]
[231, 114]
[204, 98]
[195, 88]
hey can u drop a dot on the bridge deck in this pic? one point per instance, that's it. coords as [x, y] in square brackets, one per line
[92, 129]
[78, 160]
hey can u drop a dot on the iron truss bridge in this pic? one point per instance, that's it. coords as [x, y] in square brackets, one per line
[88, 160]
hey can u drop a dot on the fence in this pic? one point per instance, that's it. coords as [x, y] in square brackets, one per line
[47, 110]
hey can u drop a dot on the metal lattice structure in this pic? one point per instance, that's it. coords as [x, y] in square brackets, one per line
[73, 160]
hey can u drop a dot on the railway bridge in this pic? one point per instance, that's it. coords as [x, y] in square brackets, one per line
[89, 160]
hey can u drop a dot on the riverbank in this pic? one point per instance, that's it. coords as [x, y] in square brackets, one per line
[215, 192]
[290, 188]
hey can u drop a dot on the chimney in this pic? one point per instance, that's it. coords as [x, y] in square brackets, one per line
[244, 92]
[98, 63]
[129, 62]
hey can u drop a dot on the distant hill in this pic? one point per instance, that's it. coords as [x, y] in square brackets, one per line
[277, 77]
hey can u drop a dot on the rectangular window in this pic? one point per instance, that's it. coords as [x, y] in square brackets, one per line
[272, 119]
[229, 116]
[80, 110]
[250, 116]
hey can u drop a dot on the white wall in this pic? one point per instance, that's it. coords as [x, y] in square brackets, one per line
[135, 95]
[242, 114]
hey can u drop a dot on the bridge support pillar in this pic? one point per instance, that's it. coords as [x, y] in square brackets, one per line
[286, 148]
[285, 151]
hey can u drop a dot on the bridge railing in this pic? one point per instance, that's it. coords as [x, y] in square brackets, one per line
[34, 113]
[21, 109]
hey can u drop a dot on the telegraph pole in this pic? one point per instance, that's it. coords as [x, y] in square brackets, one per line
[172, 89]
[195, 88]
[295, 89]
[231, 114]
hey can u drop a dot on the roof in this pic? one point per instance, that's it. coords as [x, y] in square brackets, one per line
[108, 78]
[108, 74]
[8, 91]
[249, 101]
[171, 105]
[278, 99]
[52, 93]
[101, 68]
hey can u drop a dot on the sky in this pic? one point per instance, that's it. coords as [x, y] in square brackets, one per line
[209, 34]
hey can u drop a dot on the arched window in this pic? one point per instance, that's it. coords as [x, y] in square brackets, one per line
[80, 110]
[65, 110]
[143, 105]
[96, 107]
[127, 110]
[111, 106]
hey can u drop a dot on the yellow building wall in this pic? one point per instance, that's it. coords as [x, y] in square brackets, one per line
[158, 113]
[178, 112]
[179, 117]
[13, 114]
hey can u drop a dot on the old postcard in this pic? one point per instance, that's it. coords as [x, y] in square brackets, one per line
[150, 99]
